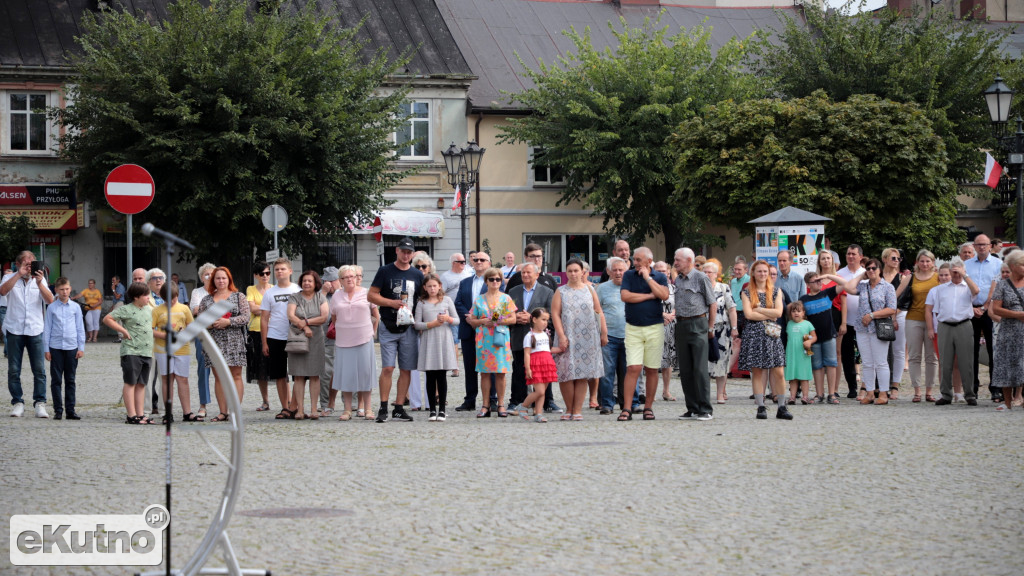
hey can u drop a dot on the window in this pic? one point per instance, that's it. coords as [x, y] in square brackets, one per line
[413, 138]
[544, 175]
[421, 244]
[28, 129]
[594, 249]
[335, 254]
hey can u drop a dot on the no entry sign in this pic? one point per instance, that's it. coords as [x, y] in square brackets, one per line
[129, 189]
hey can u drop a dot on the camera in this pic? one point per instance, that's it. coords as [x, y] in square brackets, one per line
[36, 266]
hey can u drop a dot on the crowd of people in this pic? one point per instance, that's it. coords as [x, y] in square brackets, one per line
[604, 344]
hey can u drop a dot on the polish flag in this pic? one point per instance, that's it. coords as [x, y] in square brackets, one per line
[457, 201]
[993, 171]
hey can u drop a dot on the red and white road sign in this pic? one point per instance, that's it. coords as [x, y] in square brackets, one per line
[129, 189]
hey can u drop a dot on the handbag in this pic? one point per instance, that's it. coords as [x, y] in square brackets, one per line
[884, 328]
[500, 337]
[298, 342]
[714, 354]
[772, 329]
[331, 333]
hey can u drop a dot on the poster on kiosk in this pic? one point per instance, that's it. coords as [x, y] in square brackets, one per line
[803, 241]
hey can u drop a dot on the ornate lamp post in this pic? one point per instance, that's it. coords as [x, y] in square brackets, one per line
[463, 165]
[998, 97]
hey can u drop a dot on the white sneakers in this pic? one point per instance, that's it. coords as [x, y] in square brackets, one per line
[18, 410]
[41, 410]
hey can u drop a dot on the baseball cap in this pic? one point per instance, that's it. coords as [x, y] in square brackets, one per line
[406, 244]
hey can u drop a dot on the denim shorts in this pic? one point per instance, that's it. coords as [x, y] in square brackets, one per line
[824, 354]
[403, 347]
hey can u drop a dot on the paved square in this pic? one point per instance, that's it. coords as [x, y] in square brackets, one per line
[900, 489]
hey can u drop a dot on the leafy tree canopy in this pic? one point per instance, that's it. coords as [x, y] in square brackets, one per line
[232, 111]
[603, 116]
[874, 166]
[15, 235]
[935, 60]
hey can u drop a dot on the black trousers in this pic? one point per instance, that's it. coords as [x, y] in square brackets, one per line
[982, 327]
[469, 371]
[849, 358]
[437, 389]
[63, 366]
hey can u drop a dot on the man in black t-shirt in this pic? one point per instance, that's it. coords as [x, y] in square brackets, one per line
[394, 287]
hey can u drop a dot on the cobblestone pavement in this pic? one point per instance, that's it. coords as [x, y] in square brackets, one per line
[900, 489]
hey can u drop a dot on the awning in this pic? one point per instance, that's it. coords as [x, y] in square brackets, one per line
[50, 218]
[406, 223]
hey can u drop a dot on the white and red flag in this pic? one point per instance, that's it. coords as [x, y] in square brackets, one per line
[993, 171]
[457, 201]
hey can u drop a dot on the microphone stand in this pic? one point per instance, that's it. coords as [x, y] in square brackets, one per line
[169, 334]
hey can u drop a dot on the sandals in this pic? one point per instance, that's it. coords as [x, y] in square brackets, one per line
[222, 417]
[201, 413]
[167, 417]
[191, 418]
[502, 413]
[833, 399]
[929, 398]
[484, 413]
[313, 415]
[132, 419]
[916, 399]
[648, 414]
[720, 401]
[263, 407]
[672, 398]
[577, 417]
[300, 416]
[894, 393]
[144, 420]
[625, 415]
[285, 414]
[567, 417]
[346, 416]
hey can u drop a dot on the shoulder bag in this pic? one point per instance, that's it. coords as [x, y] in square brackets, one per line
[771, 327]
[298, 342]
[884, 328]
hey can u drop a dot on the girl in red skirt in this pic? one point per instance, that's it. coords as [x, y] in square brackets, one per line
[540, 366]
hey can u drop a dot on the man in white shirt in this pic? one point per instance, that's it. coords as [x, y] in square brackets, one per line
[983, 269]
[953, 311]
[847, 342]
[274, 332]
[510, 267]
[26, 293]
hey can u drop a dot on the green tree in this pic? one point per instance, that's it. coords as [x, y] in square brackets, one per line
[15, 235]
[602, 117]
[232, 111]
[935, 60]
[874, 166]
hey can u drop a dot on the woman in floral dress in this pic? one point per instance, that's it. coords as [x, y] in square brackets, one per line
[725, 328]
[581, 332]
[493, 312]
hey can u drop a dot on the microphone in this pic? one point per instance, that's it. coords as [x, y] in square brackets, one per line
[150, 230]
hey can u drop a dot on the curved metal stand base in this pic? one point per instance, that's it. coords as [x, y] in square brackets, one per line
[216, 534]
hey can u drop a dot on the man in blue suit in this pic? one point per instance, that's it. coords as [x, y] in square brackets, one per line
[527, 296]
[469, 289]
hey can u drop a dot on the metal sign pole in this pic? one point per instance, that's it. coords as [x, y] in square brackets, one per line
[129, 276]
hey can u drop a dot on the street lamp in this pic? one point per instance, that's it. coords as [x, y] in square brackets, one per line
[998, 97]
[463, 165]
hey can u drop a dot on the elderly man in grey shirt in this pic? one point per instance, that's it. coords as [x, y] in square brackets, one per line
[695, 325]
[614, 352]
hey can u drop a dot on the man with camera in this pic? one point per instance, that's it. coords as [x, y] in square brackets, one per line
[26, 291]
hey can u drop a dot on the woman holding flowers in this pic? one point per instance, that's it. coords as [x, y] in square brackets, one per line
[493, 312]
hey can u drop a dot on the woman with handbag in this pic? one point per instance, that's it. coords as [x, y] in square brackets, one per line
[580, 333]
[228, 332]
[307, 313]
[761, 346]
[875, 330]
[725, 328]
[493, 312]
[900, 280]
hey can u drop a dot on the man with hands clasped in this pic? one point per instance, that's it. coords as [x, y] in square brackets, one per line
[953, 311]
[643, 290]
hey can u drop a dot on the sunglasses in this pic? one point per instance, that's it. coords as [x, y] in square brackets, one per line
[458, 261]
[480, 260]
[264, 273]
[494, 279]
[871, 268]
[159, 278]
[423, 267]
